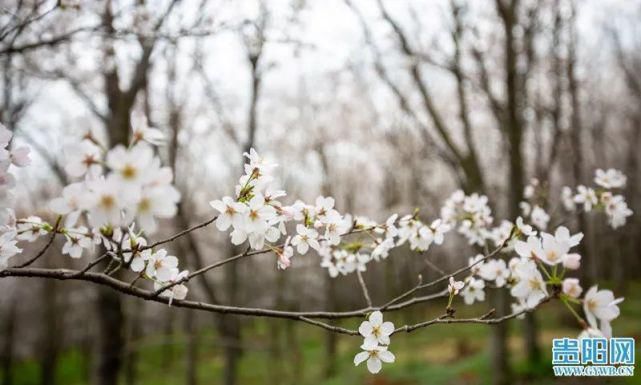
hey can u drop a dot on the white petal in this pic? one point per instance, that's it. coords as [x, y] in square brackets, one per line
[365, 329]
[376, 318]
[387, 328]
[386, 356]
[374, 365]
[360, 357]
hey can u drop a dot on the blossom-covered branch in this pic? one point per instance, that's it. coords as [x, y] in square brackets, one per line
[118, 195]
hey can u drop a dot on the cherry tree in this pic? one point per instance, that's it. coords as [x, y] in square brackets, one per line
[117, 196]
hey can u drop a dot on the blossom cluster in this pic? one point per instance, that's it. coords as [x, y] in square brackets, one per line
[471, 214]
[537, 272]
[117, 196]
[384, 237]
[376, 340]
[257, 216]
[18, 157]
[112, 192]
[602, 197]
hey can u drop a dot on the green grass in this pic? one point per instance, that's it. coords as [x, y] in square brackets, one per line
[437, 355]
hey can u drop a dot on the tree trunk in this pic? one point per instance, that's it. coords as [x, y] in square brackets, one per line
[191, 356]
[9, 339]
[51, 333]
[110, 337]
[133, 337]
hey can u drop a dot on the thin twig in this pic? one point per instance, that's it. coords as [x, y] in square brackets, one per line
[333, 328]
[444, 278]
[93, 263]
[177, 235]
[361, 281]
[484, 319]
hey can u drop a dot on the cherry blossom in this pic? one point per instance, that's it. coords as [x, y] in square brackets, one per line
[156, 202]
[375, 331]
[610, 178]
[83, 158]
[495, 270]
[454, 286]
[530, 287]
[71, 202]
[553, 250]
[230, 213]
[571, 261]
[162, 266]
[601, 305]
[177, 291]
[567, 198]
[617, 211]
[31, 228]
[19, 156]
[375, 356]
[473, 291]
[591, 332]
[587, 197]
[129, 165]
[77, 240]
[8, 247]
[285, 255]
[562, 235]
[105, 200]
[524, 228]
[539, 218]
[141, 132]
[389, 228]
[305, 239]
[571, 287]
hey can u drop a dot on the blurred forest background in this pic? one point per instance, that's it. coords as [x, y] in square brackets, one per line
[386, 105]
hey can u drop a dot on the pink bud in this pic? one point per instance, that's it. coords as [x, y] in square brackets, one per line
[572, 261]
[572, 288]
[20, 156]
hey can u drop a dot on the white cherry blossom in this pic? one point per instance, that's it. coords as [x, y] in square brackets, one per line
[375, 356]
[530, 288]
[304, 239]
[129, 165]
[539, 218]
[473, 291]
[571, 261]
[617, 211]
[156, 202]
[83, 158]
[587, 197]
[78, 240]
[8, 248]
[141, 132]
[178, 291]
[30, 228]
[375, 331]
[495, 270]
[285, 255]
[601, 305]
[162, 266]
[611, 178]
[567, 198]
[230, 213]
